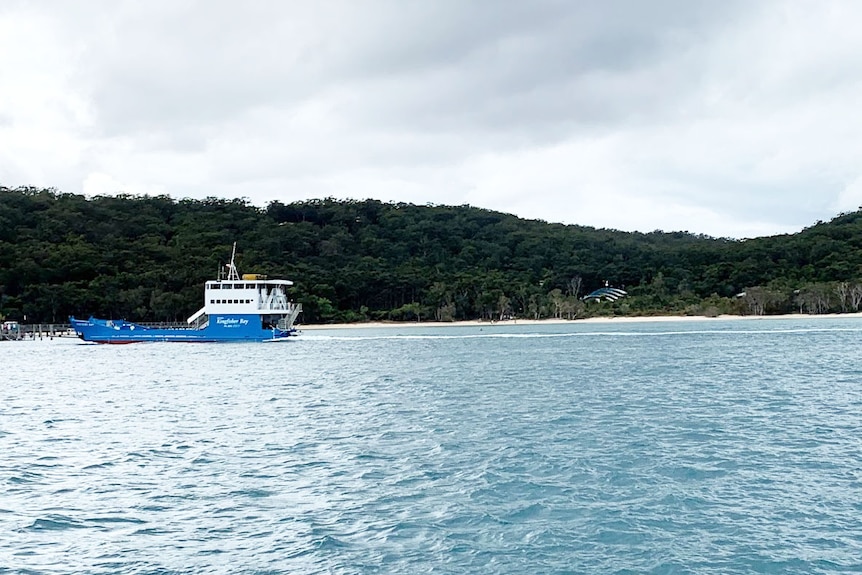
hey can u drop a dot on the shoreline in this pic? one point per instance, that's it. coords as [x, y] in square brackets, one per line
[553, 321]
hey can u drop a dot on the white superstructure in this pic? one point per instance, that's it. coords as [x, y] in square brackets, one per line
[251, 294]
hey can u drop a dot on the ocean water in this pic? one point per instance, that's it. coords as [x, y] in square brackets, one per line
[690, 447]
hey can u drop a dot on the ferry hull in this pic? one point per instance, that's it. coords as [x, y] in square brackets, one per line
[221, 328]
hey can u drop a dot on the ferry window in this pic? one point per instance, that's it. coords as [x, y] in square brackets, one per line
[214, 286]
[212, 301]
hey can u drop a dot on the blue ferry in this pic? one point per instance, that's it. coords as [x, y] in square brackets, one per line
[236, 309]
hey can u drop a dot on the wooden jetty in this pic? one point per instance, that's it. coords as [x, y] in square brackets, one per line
[14, 331]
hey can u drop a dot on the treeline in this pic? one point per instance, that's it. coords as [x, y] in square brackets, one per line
[146, 258]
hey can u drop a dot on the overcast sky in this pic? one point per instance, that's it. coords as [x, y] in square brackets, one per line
[728, 118]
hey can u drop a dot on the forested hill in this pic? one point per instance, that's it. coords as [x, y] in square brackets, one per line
[146, 258]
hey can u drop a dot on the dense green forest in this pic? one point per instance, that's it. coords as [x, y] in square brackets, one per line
[146, 258]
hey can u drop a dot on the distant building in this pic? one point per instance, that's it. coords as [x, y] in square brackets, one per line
[605, 294]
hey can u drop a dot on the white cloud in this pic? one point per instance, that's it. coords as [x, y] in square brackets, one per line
[41, 116]
[731, 119]
[850, 197]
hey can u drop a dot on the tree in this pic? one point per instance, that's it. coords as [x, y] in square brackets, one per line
[855, 296]
[557, 301]
[503, 305]
[574, 286]
[814, 298]
[759, 299]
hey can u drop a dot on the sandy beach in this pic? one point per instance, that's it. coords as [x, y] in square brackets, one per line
[630, 319]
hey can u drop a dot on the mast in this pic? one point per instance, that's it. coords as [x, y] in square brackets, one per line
[232, 274]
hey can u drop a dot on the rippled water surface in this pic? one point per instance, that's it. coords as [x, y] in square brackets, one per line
[691, 447]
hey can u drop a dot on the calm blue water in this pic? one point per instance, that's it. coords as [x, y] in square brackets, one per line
[702, 447]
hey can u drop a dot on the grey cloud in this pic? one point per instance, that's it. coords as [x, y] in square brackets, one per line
[502, 64]
[569, 68]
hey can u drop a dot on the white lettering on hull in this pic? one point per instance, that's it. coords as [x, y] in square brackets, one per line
[231, 321]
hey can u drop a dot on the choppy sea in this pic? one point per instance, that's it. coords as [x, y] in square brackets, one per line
[691, 447]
